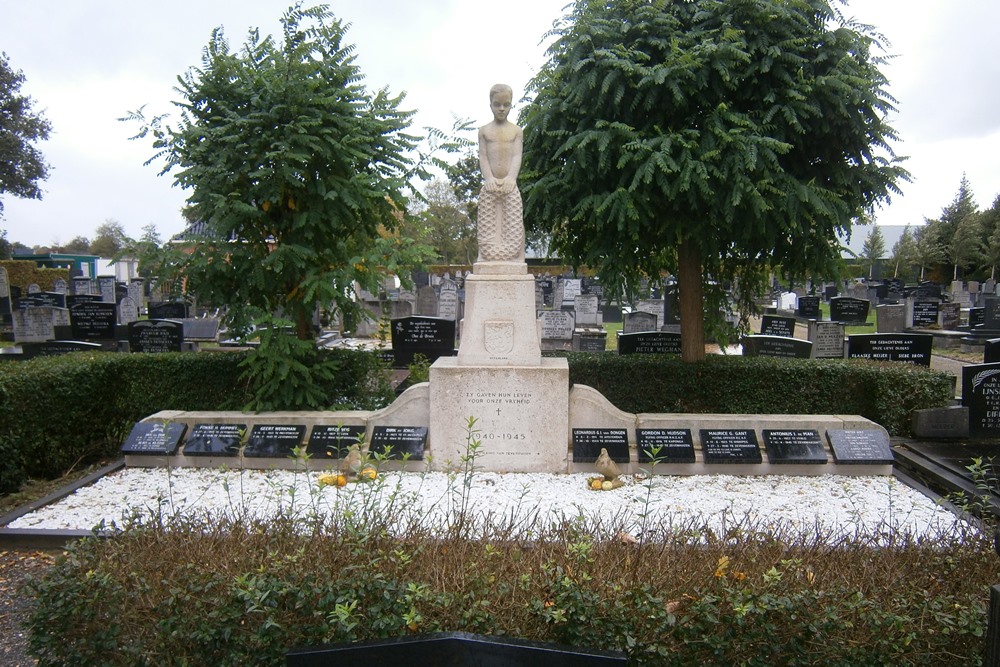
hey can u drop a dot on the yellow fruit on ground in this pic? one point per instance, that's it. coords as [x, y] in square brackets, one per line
[607, 486]
[595, 484]
[341, 480]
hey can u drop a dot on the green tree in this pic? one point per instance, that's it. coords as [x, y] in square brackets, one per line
[446, 227]
[22, 166]
[927, 246]
[712, 140]
[903, 253]
[79, 245]
[6, 248]
[991, 234]
[957, 229]
[300, 175]
[966, 248]
[109, 239]
[873, 249]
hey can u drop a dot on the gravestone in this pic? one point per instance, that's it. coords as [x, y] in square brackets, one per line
[829, 292]
[35, 325]
[977, 318]
[951, 421]
[923, 313]
[860, 447]
[83, 285]
[794, 446]
[991, 351]
[128, 311]
[729, 446]
[571, 289]
[849, 310]
[55, 348]
[331, 441]
[274, 440]
[149, 336]
[991, 313]
[73, 299]
[33, 288]
[200, 328]
[588, 442]
[215, 440]
[399, 442]
[557, 329]
[5, 302]
[93, 320]
[154, 439]
[638, 321]
[654, 306]
[106, 288]
[890, 318]
[981, 394]
[786, 300]
[449, 306]
[167, 310]
[928, 289]
[910, 348]
[433, 337]
[773, 325]
[827, 339]
[589, 340]
[427, 301]
[665, 445]
[951, 316]
[587, 309]
[776, 346]
[808, 307]
[649, 342]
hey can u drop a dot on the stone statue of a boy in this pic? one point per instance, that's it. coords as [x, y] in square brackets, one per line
[501, 228]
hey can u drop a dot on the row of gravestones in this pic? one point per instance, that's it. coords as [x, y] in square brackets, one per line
[325, 441]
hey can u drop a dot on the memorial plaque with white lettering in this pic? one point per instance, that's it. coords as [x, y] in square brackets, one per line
[588, 443]
[925, 314]
[729, 446]
[432, 337]
[860, 447]
[776, 346]
[93, 320]
[154, 439]
[794, 446]
[274, 440]
[399, 442]
[331, 441]
[649, 342]
[166, 310]
[981, 394]
[909, 348]
[849, 310]
[977, 317]
[772, 325]
[827, 339]
[54, 348]
[808, 307]
[665, 445]
[215, 440]
[155, 336]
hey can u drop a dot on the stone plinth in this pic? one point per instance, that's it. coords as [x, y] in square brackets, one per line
[522, 412]
[500, 327]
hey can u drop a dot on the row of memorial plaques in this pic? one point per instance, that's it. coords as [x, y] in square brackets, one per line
[783, 446]
[326, 441]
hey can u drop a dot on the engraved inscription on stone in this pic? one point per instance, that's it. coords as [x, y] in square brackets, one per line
[215, 440]
[729, 446]
[399, 442]
[665, 445]
[794, 446]
[331, 441]
[860, 446]
[588, 442]
[153, 439]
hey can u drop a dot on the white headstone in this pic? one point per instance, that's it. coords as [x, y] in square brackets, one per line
[448, 305]
[34, 325]
[557, 324]
[59, 286]
[571, 289]
[654, 306]
[587, 307]
[128, 311]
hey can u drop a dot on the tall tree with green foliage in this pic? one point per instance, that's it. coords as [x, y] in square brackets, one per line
[957, 229]
[109, 239]
[903, 253]
[446, 226]
[300, 175]
[22, 166]
[928, 249]
[990, 221]
[714, 140]
[873, 249]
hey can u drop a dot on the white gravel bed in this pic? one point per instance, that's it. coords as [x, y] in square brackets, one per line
[833, 504]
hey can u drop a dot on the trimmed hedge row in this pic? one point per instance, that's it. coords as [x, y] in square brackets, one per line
[885, 392]
[58, 411]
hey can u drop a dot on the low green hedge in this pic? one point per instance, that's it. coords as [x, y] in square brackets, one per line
[885, 392]
[58, 411]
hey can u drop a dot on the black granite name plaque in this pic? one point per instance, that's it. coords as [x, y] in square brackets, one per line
[155, 336]
[860, 447]
[93, 320]
[977, 317]
[981, 394]
[925, 313]
[849, 310]
[776, 346]
[274, 440]
[649, 342]
[52, 348]
[215, 440]
[167, 310]
[665, 445]
[331, 441]
[808, 307]
[772, 325]
[432, 337]
[593, 343]
[588, 442]
[154, 439]
[399, 442]
[910, 348]
[730, 446]
[794, 446]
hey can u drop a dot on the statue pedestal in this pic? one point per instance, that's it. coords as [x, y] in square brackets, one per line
[520, 400]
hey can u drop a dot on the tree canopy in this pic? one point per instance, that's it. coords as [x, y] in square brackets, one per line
[22, 166]
[874, 249]
[749, 132]
[300, 176]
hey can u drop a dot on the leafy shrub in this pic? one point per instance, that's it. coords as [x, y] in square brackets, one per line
[885, 393]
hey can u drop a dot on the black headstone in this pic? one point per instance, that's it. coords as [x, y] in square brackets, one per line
[808, 307]
[849, 310]
[588, 442]
[593, 343]
[155, 336]
[201, 328]
[274, 440]
[911, 348]
[399, 442]
[215, 440]
[981, 394]
[649, 342]
[432, 337]
[331, 441]
[167, 310]
[729, 446]
[793, 446]
[860, 446]
[776, 346]
[73, 299]
[667, 445]
[927, 289]
[772, 325]
[154, 438]
[991, 351]
[977, 317]
[93, 320]
[991, 312]
[925, 314]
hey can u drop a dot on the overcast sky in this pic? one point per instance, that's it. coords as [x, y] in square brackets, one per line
[88, 62]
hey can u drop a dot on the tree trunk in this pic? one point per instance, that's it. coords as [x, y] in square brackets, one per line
[691, 302]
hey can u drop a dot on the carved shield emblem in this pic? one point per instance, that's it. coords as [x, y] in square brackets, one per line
[499, 337]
